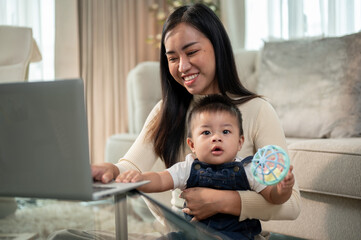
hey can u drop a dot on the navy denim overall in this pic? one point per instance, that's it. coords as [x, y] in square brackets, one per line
[227, 176]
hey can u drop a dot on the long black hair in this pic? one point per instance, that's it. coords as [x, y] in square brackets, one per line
[168, 131]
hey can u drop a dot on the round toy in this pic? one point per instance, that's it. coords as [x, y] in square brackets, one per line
[270, 165]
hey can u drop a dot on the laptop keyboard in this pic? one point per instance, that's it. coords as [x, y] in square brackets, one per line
[98, 189]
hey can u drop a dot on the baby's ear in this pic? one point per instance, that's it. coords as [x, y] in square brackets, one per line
[190, 143]
[241, 141]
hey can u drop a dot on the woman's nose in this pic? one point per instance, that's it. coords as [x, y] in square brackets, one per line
[184, 65]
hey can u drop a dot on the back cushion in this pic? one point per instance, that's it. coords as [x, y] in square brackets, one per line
[246, 63]
[144, 91]
[314, 85]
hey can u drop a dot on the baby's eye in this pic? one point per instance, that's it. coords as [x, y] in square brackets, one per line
[206, 132]
[226, 131]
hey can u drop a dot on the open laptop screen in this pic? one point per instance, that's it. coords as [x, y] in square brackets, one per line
[44, 140]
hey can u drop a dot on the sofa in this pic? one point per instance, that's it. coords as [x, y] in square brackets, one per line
[315, 87]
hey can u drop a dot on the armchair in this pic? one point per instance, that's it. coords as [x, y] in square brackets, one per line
[18, 49]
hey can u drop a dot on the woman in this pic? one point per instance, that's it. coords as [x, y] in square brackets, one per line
[196, 59]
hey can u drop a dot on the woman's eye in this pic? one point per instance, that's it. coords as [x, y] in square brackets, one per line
[206, 132]
[192, 52]
[226, 131]
[172, 59]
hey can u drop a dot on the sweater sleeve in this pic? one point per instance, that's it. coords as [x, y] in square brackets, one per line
[264, 128]
[141, 149]
[254, 206]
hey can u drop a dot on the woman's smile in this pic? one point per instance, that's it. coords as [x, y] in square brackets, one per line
[190, 79]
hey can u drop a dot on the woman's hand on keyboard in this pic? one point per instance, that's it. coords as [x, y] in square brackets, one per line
[104, 172]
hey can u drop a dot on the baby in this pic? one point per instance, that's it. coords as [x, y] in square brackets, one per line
[215, 135]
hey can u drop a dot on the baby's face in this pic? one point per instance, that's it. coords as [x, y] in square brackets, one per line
[215, 137]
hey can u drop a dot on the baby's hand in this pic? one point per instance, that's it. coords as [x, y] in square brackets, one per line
[287, 183]
[130, 176]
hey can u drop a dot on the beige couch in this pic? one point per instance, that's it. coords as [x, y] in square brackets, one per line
[315, 87]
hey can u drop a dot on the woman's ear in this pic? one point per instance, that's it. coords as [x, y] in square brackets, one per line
[191, 144]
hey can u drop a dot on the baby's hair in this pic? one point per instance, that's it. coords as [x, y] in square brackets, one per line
[214, 103]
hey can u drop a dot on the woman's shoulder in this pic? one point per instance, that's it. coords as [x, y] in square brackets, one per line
[156, 109]
[158, 104]
[255, 105]
[257, 109]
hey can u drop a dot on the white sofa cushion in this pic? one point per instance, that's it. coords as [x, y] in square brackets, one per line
[328, 166]
[314, 85]
[246, 63]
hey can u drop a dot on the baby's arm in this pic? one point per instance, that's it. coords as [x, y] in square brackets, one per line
[159, 181]
[281, 192]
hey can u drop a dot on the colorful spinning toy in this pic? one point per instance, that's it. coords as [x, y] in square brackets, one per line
[270, 165]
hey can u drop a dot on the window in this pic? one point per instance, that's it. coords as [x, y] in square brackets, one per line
[38, 15]
[268, 20]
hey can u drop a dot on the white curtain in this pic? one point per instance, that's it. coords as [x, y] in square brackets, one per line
[267, 20]
[233, 18]
[112, 41]
[38, 15]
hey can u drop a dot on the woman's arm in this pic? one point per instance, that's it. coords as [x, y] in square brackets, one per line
[141, 154]
[204, 202]
[254, 206]
[265, 129]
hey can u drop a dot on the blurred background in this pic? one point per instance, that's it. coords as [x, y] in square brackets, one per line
[102, 40]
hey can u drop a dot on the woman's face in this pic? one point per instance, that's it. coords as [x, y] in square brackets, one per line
[191, 59]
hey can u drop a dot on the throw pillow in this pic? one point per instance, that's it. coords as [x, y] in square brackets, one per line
[314, 85]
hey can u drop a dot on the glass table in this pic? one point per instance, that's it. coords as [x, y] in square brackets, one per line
[131, 215]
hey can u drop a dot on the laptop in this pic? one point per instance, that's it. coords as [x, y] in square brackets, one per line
[44, 150]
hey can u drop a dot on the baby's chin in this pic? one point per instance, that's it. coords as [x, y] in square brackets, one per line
[216, 160]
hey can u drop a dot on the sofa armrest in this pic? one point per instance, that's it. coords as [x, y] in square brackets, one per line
[117, 145]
